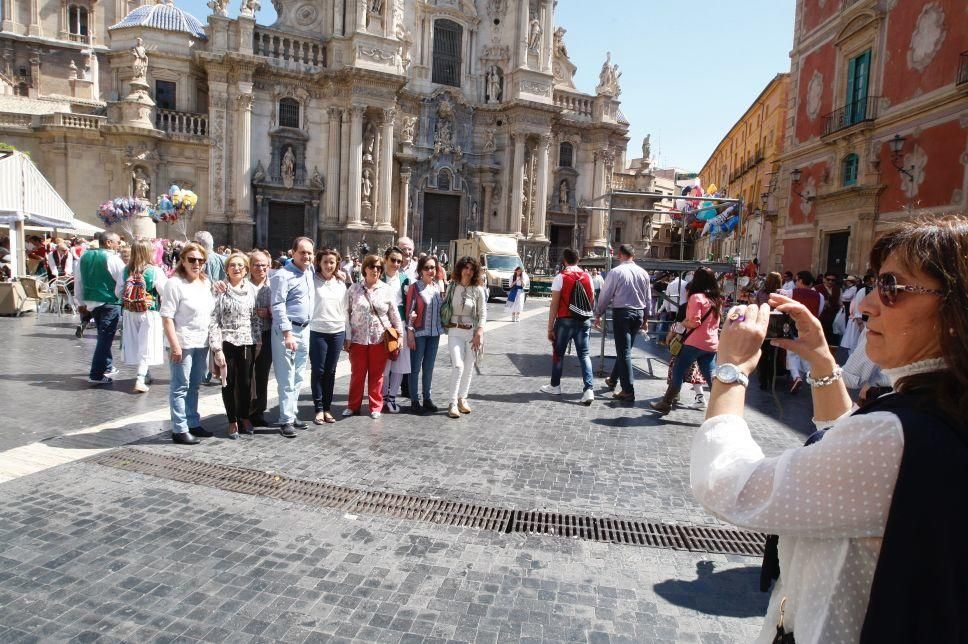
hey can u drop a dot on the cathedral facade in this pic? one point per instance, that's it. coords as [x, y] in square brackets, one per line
[344, 120]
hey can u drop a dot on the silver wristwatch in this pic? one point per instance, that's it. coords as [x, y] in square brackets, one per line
[729, 374]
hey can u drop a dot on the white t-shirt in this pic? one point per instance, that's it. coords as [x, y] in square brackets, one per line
[558, 282]
[329, 309]
[190, 305]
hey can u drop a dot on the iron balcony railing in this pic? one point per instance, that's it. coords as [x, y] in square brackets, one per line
[851, 114]
[963, 68]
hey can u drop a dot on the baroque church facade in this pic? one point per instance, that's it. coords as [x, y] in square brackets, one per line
[344, 120]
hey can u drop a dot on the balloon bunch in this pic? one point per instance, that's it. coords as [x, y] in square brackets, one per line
[175, 207]
[120, 211]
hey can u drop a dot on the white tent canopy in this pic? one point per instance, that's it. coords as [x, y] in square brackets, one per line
[27, 196]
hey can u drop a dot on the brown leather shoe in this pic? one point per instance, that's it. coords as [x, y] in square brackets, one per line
[609, 383]
[624, 396]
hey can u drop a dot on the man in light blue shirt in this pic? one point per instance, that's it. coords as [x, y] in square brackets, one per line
[292, 293]
[628, 292]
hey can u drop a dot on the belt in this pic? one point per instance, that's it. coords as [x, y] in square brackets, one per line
[460, 326]
[299, 324]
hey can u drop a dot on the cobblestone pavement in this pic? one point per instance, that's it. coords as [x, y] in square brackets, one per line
[92, 553]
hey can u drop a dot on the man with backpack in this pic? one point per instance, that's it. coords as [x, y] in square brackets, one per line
[628, 292]
[95, 281]
[569, 320]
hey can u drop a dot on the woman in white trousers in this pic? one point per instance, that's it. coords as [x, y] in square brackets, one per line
[465, 330]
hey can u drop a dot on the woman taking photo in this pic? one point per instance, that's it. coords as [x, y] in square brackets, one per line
[870, 527]
[396, 370]
[327, 331]
[369, 313]
[423, 333]
[516, 295]
[186, 313]
[141, 332]
[235, 337]
[700, 338]
[465, 330]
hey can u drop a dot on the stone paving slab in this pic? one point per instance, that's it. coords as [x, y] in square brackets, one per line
[96, 554]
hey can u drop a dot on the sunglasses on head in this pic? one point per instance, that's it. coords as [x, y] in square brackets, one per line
[888, 289]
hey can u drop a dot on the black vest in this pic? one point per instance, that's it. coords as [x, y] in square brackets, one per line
[920, 587]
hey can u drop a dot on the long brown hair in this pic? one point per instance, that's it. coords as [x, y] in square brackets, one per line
[187, 248]
[141, 254]
[773, 282]
[704, 281]
[937, 246]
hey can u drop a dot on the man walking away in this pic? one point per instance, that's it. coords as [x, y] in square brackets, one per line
[627, 291]
[292, 308]
[100, 271]
[805, 294]
[567, 325]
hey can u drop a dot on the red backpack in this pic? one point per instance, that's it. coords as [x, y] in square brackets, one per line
[136, 297]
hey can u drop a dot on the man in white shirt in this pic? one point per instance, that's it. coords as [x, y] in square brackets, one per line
[409, 266]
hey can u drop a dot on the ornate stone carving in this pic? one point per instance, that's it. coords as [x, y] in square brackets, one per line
[219, 7]
[535, 87]
[563, 200]
[489, 140]
[926, 39]
[139, 66]
[259, 174]
[814, 95]
[534, 36]
[316, 180]
[287, 168]
[409, 129]
[647, 147]
[141, 184]
[244, 101]
[559, 42]
[218, 151]
[249, 8]
[495, 83]
[378, 55]
[608, 78]
[496, 9]
[367, 184]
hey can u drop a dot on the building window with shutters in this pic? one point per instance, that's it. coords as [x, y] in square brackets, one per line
[289, 113]
[849, 169]
[566, 154]
[858, 76]
[447, 45]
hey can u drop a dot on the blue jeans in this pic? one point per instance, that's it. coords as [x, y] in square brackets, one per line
[289, 367]
[689, 354]
[423, 358]
[186, 376]
[324, 350]
[107, 317]
[626, 324]
[571, 330]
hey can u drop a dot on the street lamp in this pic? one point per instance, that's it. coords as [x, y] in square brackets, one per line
[765, 200]
[897, 149]
[795, 176]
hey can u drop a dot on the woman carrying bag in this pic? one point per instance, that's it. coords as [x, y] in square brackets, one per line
[464, 315]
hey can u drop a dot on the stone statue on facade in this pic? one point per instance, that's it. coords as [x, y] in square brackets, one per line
[647, 147]
[288, 168]
[316, 181]
[376, 6]
[409, 130]
[141, 185]
[563, 195]
[608, 78]
[249, 8]
[534, 35]
[259, 174]
[559, 42]
[140, 64]
[490, 145]
[367, 184]
[369, 141]
[219, 7]
[73, 70]
[443, 137]
[493, 84]
[475, 212]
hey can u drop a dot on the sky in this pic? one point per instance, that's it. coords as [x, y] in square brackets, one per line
[689, 70]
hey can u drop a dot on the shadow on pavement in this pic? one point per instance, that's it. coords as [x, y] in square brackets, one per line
[725, 593]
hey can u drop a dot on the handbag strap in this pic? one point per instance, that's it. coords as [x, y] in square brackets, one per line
[701, 320]
[373, 308]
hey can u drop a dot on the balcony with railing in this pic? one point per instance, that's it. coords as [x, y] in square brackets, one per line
[962, 79]
[181, 123]
[287, 51]
[74, 121]
[16, 121]
[851, 114]
[576, 106]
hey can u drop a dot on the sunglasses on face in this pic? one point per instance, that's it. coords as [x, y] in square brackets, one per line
[888, 289]
[395, 261]
[377, 268]
[430, 268]
[195, 260]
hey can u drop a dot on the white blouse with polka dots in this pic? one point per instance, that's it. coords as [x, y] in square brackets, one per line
[828, 502]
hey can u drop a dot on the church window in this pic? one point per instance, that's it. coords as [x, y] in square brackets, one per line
[849, 169]
[165, 95]
[447, 45]
[443, 180]
[77, 22]
[566, 154]
[289, 113]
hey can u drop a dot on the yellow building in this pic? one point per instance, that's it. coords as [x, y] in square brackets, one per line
[743, 164]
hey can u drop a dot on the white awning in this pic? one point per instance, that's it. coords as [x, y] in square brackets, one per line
[26, 195]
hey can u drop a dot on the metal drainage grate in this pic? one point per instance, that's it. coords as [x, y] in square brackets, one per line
[450, 513]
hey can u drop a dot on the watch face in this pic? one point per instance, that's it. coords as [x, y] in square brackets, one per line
[726, 373]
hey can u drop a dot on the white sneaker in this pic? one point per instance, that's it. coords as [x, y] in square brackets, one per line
[141, 386]
[390, 406]
[375, 415]
[112, 371]
[587, 397]
[347, 412]
[551, 389]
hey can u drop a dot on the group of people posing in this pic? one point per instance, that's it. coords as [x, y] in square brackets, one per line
[231, 321]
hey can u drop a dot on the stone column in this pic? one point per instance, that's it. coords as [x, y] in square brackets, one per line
[541, 197]
[547, 36]
[216, 117]
[34, 28]
[355, 174]
[486, 212]
[386, 172]
[243, 158]
[524, 25]
[596, 234]
[404, 201]
[360, 15]
[344, 166]
[332, 170]
[517, 184]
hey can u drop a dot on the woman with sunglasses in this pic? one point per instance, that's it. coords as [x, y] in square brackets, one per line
[869, 521]
[396, 370]
[465, 330]
[424, 298]
[186, 312]
[369, 313]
